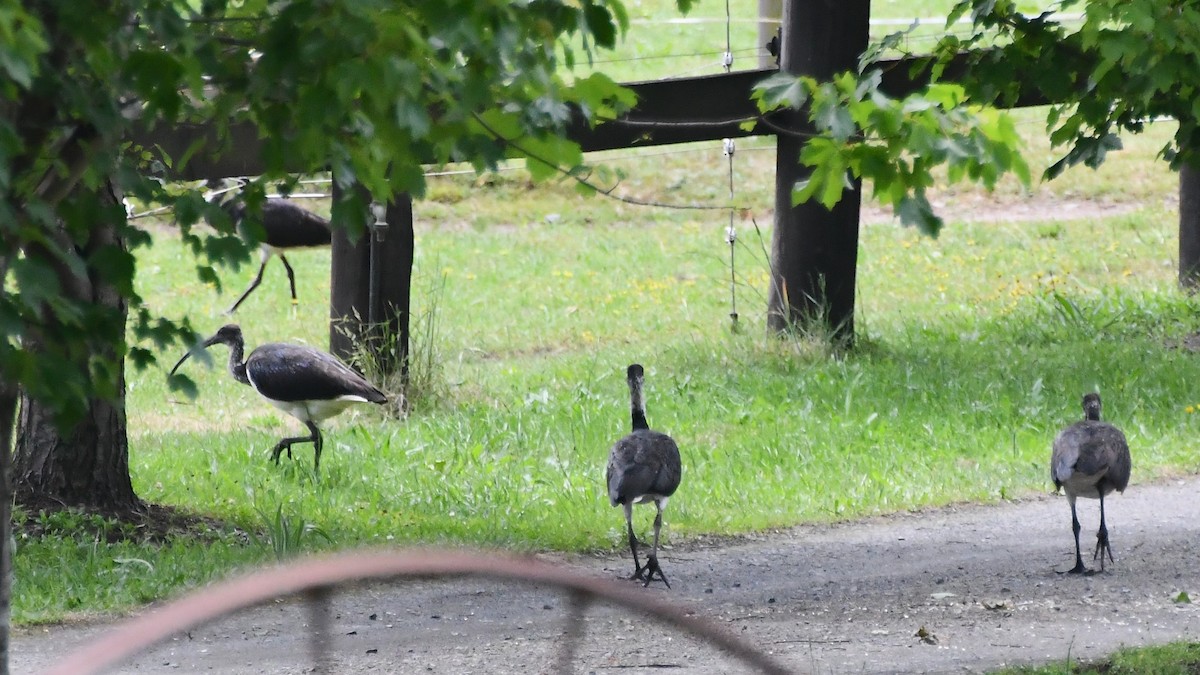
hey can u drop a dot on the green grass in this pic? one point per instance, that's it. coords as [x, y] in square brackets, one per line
[975, 349]
[1173, 659]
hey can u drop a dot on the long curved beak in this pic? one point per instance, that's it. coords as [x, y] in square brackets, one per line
[203, 345]
[180, 363]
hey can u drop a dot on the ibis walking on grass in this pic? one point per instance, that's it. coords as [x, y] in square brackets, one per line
[285, 226]
[1090, 459]
[643, 467]
[304, 382]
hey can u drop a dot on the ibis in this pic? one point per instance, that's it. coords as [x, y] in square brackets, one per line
[304, 382]
[285, 226]
[643, 467]
[1090, 459]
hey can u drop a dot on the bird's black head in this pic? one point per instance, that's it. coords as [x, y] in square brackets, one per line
[230, 334]
[1091, 406]
[635, 372]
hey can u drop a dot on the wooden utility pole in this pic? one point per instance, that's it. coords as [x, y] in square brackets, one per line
[814, 251]
[370, 286]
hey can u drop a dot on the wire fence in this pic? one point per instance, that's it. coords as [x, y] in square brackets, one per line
[711, 61]
[920, 35]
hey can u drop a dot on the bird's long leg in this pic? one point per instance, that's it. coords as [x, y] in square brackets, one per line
[1078, 568]
[253, 284]
[291, 277]
[633, 542]
[652, 561]
[318, 443]
[286, 444]
[1102, 546]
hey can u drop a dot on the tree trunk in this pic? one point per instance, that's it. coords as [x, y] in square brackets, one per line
[814, 251]
[8, 408]
[1189, 227]
[86, 465]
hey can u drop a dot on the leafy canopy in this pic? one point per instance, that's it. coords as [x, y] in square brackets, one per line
[368, 88]
[896, 144]
[1107, 66]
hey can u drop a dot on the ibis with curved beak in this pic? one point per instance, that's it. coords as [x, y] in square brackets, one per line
[306, 383]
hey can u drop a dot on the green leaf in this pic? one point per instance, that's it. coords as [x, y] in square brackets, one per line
[601, 25]
[36, 282]
[835, 183]
[835, 119]
[780, 90]
[957, 12]
[915, 211]
[599, 95]
[803, 191]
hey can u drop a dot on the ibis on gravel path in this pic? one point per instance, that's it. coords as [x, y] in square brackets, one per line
[643, 467]
[1090, 459]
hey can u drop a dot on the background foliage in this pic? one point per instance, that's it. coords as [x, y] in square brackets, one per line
[1107, 67]
[369, 89]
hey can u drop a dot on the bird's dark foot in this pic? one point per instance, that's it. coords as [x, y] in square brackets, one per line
[1078, 569]
[1102, 548]
[639, 571]
[652, 567]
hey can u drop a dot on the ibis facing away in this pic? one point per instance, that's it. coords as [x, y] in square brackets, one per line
[643, 467]
[1090, 459]
[304, 382]
[285, 226]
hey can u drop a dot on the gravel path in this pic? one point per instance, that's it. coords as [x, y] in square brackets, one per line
[978, 582]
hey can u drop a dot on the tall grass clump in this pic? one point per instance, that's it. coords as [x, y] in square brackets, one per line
[286, 533]
[415, 379]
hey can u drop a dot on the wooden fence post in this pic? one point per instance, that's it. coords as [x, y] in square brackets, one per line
[350, 298]
[814, 251]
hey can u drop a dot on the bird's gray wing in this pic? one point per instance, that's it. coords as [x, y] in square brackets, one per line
[285, 372]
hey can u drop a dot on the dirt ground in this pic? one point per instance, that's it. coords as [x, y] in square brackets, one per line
[962, 589]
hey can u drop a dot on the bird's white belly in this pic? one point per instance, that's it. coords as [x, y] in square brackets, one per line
[315, 411]
[1082, 485]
